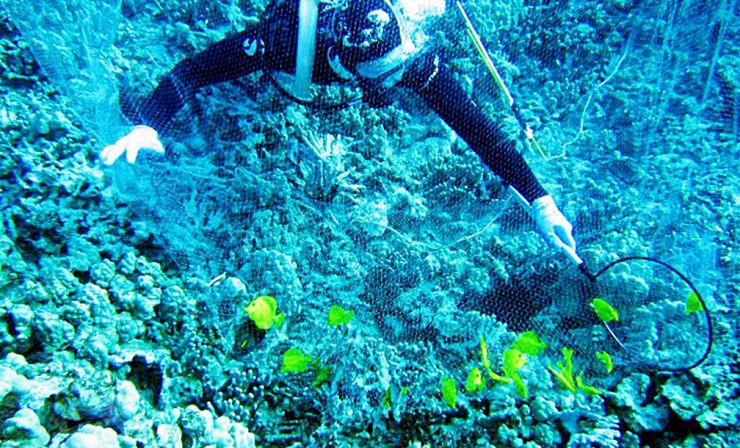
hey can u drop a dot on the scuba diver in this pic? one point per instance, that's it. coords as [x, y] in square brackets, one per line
[375, 43]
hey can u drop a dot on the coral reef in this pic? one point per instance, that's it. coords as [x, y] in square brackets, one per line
[123, 300]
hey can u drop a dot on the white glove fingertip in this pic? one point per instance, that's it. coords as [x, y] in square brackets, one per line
[131, 153]
[552, 240]
[157, 146]
[565, 236]
[110, 154]
[105, 155]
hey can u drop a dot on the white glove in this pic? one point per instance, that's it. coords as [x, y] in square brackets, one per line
[140, 137]
[555, 229]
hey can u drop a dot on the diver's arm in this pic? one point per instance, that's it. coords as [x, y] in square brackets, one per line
[226, 60]
[270, 44]
[433, 82]
[429, 78]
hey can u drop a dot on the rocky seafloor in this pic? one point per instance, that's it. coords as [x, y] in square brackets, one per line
[123, 289]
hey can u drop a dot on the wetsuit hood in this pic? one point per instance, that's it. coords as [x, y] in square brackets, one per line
[365, 31]
[374, 38]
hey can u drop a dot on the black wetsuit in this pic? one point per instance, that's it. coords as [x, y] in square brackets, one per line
[272, 45]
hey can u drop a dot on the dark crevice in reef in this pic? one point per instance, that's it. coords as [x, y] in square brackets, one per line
[514, 302]
[148, 378]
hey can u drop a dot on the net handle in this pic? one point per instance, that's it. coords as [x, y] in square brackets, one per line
[505, 92]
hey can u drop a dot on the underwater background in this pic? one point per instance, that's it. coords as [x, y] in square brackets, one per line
[291, 277]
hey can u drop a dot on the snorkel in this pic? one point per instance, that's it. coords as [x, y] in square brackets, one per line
[308, 14]
[418, 10]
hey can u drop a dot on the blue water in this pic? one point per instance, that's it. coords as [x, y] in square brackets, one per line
[285, 276]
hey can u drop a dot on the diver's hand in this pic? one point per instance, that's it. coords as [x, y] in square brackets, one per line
[140, 137]
[554, 227]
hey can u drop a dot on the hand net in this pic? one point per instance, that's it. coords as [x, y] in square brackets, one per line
[386, 213]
